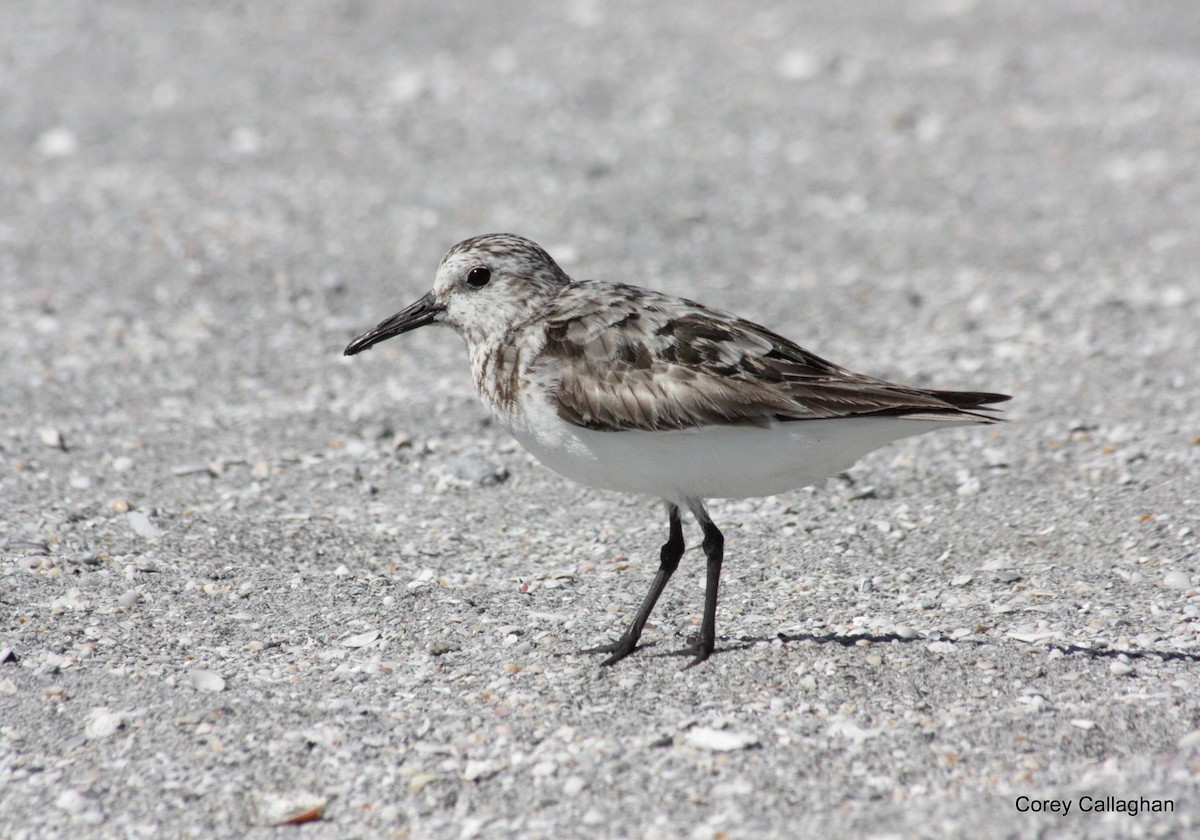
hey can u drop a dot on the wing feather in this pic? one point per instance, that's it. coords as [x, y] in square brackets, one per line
[666, 367]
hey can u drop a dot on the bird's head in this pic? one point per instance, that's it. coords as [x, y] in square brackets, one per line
[484, 286]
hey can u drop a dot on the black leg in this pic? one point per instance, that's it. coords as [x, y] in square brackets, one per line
[668, 562]
[714, 551]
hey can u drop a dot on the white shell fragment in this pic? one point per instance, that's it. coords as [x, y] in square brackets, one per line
[203, 680]
[720, 740]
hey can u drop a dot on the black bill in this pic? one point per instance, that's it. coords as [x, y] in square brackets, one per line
[417, 314]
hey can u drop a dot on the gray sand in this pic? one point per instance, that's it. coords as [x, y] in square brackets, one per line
[243, 576]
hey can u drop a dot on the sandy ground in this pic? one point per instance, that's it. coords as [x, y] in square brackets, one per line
[244, 578]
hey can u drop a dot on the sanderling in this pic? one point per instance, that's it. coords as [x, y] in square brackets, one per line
[628, 389]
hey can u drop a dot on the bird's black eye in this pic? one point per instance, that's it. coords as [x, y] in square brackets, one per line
[478, 277]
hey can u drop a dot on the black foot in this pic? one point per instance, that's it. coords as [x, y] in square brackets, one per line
[619, 649]
[698, 648]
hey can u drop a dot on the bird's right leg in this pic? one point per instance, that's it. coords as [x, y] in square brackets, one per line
[668, 562]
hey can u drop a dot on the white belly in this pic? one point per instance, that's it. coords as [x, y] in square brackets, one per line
[715, 461]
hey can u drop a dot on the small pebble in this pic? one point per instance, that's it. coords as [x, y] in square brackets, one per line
[52, 437]
[544, 768]
[417, 783]
[28, 551]
[1177, 580]
[71, 801]
[103, 724]
[477, 769]
[203, 680]
[720, 740]
[842, 727]
[969, 485]
[798, 66]
[468, 471]
[1190, 741]
[142, 526]
[289, 808]
[995, 457]
[58, 142]
[360, 639]
[192, 469]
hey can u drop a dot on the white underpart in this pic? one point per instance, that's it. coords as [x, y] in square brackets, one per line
[713, 462]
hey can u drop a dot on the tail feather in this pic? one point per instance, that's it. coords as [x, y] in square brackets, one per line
[976, 405]
[970, 399]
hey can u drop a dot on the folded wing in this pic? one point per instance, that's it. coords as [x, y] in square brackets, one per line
[660, 369]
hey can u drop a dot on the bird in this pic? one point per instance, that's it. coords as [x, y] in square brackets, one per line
[624, 388]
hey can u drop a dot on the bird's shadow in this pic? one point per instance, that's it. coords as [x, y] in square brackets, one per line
[1110, 653]
[845, 641]
[744, 642]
